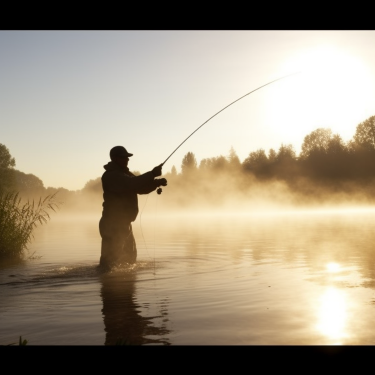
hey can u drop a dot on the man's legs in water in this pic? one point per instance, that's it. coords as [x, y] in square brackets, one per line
[118, 243]
[130, 247]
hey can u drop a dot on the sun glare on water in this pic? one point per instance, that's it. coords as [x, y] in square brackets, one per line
[333, 267]
[332, 316]
[332, 90]
[332, 310]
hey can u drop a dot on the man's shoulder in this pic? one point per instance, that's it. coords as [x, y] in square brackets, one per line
[115, 173]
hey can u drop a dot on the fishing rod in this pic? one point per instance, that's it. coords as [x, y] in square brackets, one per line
[278, 79]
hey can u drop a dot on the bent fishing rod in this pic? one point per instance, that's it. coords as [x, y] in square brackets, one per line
[278, 79]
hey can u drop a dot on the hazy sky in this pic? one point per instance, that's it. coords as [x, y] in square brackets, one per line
[67, 97]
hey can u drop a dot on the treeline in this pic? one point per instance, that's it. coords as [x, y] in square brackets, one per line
[29, 187]
[326, 165]
[326, 170]
[324, 157]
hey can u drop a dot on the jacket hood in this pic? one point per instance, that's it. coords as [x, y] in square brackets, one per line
[111, 166]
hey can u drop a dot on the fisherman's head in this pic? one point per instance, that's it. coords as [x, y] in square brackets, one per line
[120, 156]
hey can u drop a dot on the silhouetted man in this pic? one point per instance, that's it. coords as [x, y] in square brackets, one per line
[120, 207]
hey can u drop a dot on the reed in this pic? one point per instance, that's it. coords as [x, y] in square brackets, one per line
[18, 219]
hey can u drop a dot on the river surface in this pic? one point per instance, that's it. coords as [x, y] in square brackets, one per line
[286, 278]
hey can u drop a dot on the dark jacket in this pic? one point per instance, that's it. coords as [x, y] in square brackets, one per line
[120, 189]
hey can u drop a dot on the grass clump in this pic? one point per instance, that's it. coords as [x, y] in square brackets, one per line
[20, 342]
[18, 219]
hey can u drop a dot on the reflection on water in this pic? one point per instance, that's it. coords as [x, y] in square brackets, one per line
[332, 314]
[122, 316]
[296, 278]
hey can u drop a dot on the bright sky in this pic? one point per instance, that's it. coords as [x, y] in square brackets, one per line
[67, 97]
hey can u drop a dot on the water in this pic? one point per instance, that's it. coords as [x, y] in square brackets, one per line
[258, 279]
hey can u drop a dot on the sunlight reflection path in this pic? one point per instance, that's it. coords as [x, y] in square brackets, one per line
[332, 315]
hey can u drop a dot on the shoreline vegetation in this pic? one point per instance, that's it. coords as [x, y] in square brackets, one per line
[18, 219]
[327, 171]
[20, 342]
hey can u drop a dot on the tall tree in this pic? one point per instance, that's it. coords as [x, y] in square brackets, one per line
[28, 183]
[257, 163]
[6, 160]
[336, 145]
[256, 159]
[365, 134]
[233, 159]
[316, 142]
[272, 155]
[7, 163]
[218, 163]
[189, 163]
[286, 153]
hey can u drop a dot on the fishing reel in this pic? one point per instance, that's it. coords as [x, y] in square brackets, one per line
[159, 190]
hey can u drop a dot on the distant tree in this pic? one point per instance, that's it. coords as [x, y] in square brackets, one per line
[285, 164]
[336, 145]
[93, 186]
[272, 155]
[286, 153]
[233, 160]
[204, 165]
[325, 156]
[7, 164]
[63, 194]
[216, 163]
[28, 183]
[6, 160]
[362, 151]
[364, 136]
[257, 163]
[255, 160]
[189, 163]
[220, 163]
[174, 171]
[316, 142]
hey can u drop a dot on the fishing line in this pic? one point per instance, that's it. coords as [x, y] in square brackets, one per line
[156, 210]
[140, 224]
[144, 240]
[278, 79]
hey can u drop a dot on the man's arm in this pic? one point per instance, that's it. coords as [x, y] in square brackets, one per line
[119, 182]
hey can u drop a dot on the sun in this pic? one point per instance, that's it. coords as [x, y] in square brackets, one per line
[333, 89]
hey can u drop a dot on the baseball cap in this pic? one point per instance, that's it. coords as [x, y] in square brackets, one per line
[119, 151]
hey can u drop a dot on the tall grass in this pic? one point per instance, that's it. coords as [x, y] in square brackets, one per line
[18, 220]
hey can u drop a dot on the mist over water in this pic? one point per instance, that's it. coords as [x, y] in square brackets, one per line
[233, 193]
[224, 257]
[202, 277]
